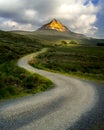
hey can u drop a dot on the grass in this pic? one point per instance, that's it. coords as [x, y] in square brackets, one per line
[81, 61]
[52, 37]
[14, 81]
[17, 82]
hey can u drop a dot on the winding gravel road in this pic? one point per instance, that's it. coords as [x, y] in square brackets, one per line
[55, 109]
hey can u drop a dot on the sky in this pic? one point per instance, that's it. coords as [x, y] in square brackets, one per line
[81, 16]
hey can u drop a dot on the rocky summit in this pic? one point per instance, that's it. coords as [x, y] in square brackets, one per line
[55, 25]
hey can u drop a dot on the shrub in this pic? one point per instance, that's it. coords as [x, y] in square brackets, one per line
[73, 42]
[64, 42]
[100, 44]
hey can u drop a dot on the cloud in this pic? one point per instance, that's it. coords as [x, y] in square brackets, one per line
[30, 14]
[12, 25]
[81, 17]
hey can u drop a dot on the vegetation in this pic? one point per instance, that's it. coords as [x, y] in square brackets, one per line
[82, 61]
[98, 126]
[100, 44]
[64, 42]
[73, 42]
[15, 81]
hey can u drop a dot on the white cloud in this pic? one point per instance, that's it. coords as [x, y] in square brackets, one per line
[81, 18]
[30, 14]
[12, 25]
[84, 24]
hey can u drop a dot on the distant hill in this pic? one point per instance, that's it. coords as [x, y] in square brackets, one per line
[55, 31]
[55, 27]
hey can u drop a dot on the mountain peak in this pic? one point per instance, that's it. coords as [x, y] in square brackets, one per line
[55, 25]
[54, 20]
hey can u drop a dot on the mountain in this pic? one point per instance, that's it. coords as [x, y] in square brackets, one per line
[56, 29]
[55, 32]
[55, 25]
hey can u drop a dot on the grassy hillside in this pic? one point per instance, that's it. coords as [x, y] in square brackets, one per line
[54, 37]
[15, 81]
[82, 61]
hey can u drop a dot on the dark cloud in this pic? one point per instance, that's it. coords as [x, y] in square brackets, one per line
[43, 8]
[46, 7]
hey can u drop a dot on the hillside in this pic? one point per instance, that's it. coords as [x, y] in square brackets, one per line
[15, 81]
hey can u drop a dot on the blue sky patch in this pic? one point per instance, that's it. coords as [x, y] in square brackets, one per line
[95, 2]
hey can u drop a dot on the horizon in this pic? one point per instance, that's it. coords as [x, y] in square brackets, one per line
[83, 16]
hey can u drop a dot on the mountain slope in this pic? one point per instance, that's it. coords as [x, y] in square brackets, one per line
[57, 29]
[55, 25]
[53, 31]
